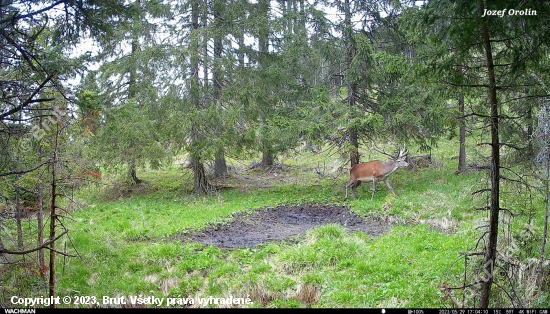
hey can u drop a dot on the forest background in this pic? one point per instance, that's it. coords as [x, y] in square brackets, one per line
[185, 112]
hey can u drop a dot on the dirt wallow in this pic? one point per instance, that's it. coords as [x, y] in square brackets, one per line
[281, 223]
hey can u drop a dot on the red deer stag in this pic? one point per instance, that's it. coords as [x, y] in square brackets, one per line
[376, 171]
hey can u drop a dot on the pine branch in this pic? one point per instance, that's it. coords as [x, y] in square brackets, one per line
[19, 17]
[30, 99]
[23, 171]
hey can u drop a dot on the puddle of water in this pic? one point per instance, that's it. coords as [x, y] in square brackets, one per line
[280, 223]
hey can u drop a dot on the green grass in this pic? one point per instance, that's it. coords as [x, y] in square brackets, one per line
[126, 245]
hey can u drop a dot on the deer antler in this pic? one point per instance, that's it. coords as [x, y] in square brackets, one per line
[403, 152]
[380, 151]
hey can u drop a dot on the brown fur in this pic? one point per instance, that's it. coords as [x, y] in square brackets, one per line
[374, 171]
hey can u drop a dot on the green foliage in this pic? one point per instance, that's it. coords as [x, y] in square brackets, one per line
[464, 49]
[124, 91]
[160, 91]
[127, 133]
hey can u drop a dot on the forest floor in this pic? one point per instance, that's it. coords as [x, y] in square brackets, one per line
[281, 223]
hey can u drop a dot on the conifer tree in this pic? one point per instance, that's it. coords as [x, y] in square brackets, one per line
[497, 55]
[126, 87]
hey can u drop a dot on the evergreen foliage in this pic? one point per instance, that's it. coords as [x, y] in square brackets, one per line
[210, 82]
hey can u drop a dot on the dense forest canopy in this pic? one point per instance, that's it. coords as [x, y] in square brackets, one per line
[116, 88]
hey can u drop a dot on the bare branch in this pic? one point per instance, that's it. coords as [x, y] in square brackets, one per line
[62, 253]
[23, 171]
[43, 246]
[481, 191]
[471, 254]
[30, 99]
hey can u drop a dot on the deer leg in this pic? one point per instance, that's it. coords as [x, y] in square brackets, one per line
[358, 183]
[373, 188]
[352, 185]
[389, 187]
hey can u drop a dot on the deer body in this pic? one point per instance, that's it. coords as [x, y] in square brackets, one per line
[375, 171]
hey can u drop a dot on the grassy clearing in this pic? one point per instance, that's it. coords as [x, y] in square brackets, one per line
[126, 245]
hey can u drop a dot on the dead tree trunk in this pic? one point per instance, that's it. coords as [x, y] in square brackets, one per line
[40, 240]
[40, 219]
[53, 219]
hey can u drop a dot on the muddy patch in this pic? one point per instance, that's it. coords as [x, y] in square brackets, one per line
[282, 223]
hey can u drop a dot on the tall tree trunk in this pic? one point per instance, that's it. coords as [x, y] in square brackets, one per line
[132, 93]
[40, 240]
[284, 13]
[303, 29]
[220, 165]
[18, 214]
[545, 231]
[1, 243]
[263, 42]
[240, 58]
[132, 82]
[200, 182]
[530, 149]
[462, 137]
[352, 87]
[240, 53]
[205, 59]
[40, 217]
[267, 154]
[491, 253]
[294, 10]
[53, 218]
